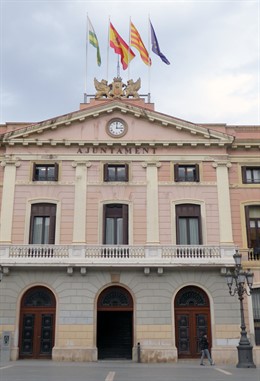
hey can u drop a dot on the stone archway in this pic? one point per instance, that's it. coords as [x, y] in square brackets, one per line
[37, 323]
[115, 324]
[192, 319]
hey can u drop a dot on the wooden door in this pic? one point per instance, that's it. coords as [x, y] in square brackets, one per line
[37, 321]
[189, 328]
[192, 320]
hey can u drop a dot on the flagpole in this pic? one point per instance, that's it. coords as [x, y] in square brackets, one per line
[129, 42]
[108, 43]
[86, 68]
[118, 67]
[149, 67]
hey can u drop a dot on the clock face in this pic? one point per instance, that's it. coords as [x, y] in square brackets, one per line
[116, 128]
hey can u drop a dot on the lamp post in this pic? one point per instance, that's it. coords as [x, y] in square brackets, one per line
[237, 283]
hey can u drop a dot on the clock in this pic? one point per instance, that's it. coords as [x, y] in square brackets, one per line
[116, 128]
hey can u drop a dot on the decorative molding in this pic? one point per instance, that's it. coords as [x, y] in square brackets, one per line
[222, 163]
[83, 270]
[6, 162]
[81, 163]
[151, 164]
[160, 271]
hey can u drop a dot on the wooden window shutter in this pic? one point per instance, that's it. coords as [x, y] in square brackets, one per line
[56, 172]
[104, 224]
[244, 181]
[197, 173]
[125, 224]
[105, 172]
[176, 172]
[249, 244]
[126, 172]
[34, 172]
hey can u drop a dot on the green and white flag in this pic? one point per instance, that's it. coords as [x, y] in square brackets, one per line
[94, 41]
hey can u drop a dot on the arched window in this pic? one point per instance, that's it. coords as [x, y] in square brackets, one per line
[191, 297]
[38, 297]
[115, 297]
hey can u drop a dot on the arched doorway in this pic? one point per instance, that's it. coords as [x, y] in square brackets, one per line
[37, 321]
[192, 319]
[115, 324]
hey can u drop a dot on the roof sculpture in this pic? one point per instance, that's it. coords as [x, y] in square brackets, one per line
[117, 89]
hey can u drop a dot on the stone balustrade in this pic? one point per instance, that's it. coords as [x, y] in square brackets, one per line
[120, 255]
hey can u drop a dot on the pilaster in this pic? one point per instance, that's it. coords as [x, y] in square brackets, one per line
[6, 219]
[225, 221]
[152, 213]
[80, 202]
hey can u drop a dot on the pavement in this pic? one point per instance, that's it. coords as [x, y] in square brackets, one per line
[47, 370]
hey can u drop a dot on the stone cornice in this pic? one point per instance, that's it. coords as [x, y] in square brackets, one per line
[108, 108]
[68, 143]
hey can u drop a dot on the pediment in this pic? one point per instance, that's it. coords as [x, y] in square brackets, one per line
[88, 126]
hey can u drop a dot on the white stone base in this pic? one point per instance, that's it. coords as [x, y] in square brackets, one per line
[156, 355]
[14, 354]
[225, 355]
[74, 354]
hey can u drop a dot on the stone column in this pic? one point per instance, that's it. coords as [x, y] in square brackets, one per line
[6, 219]
[225, 221]
[80, 202]
[152, 202]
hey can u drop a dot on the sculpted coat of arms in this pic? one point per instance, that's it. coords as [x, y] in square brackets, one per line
[117, 89]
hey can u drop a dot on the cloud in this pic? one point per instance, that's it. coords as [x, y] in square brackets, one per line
[231, 95]
[213, 48]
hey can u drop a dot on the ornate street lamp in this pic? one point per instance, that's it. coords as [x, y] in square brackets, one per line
[241, 281]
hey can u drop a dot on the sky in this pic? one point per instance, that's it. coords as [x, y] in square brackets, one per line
[213, 47]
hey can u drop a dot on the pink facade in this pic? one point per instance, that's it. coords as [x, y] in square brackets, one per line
[189, 197]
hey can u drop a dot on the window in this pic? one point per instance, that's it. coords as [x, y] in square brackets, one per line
[115, 224]
[188, 224]
[251, 175]
[189, 173]
[116, 172]
[253, 227]
[45, 172]
[42, 228]
[256, 313]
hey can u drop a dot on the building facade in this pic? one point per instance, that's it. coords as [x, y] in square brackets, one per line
[117, 226]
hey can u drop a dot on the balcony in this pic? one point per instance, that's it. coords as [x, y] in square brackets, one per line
[115, 256]
[251, 258]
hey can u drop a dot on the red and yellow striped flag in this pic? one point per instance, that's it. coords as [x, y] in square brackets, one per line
[136, 41]
[120, 47]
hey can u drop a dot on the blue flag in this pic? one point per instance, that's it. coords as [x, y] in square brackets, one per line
[155, 46]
